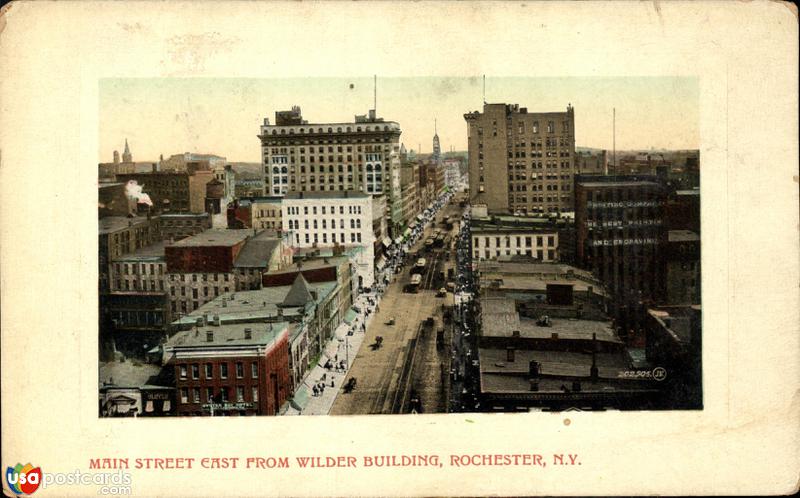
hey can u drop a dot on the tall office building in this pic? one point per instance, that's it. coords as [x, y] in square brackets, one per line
[621, 238]
[521, 162]
[298, 156]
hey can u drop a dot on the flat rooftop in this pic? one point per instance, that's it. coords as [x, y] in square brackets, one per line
[111, 224]
[215, 237]
[521, 282]
[127, 373]
[228, 335]
[254, 305]
[551, 363]
[502, 324]
[308, 264]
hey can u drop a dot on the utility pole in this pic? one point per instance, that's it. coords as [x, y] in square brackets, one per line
[375, 95]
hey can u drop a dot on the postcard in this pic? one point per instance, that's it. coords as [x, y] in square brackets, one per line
[399, 249]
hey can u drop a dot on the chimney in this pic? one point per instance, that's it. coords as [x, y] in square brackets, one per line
[554, 335]
[216, 320]
[155, 168]
[533, 369]
[534, 384]
[590, 289]
[515, 333]
[510, 354]
[248, 333]
[209, 336]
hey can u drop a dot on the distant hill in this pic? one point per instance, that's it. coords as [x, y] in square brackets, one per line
[246, 171]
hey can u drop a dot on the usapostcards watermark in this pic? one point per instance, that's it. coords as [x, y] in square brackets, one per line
[109, 483]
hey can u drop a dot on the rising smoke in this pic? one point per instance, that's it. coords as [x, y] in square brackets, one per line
[133, 191]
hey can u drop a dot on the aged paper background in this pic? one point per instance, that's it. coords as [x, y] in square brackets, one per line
[746, 439]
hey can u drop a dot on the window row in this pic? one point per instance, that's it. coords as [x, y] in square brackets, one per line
[208, 370]
[295, 224]
[315, 239]
[505, 241]
[223, 395]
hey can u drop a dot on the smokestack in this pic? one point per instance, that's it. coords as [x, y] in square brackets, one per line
[533, 369]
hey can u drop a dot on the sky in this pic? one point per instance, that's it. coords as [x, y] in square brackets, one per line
[222, 115]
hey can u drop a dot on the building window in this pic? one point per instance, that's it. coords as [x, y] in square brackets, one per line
[239, 370]
[254, 370]
[183, 371]
[195, 371]
[239, 394]
[196, 395]
[223, 370]
[255, 395]
[209, 371]
[184, 395]
[223, 394]
[209, 394]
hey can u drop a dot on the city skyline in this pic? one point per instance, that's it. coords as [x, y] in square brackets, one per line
[222, 115]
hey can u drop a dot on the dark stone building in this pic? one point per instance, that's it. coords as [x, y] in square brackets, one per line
[621, 238]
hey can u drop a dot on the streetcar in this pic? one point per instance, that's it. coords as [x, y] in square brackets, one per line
[413, 286]
[419, 267]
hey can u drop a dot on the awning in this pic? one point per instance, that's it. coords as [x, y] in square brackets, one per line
[300, 399]
[387, 241]
[350, 316]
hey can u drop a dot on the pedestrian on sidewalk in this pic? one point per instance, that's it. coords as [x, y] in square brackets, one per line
[315, 390]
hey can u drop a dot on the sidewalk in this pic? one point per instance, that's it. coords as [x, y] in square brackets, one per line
[346, 349]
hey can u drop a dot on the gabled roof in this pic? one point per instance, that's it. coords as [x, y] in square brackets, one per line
[299, 294]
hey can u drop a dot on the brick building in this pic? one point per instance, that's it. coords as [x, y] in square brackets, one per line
[521, 161]
[233, 369]
[177, 226]
[174, 191]
[620, 236]
[202, 267]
